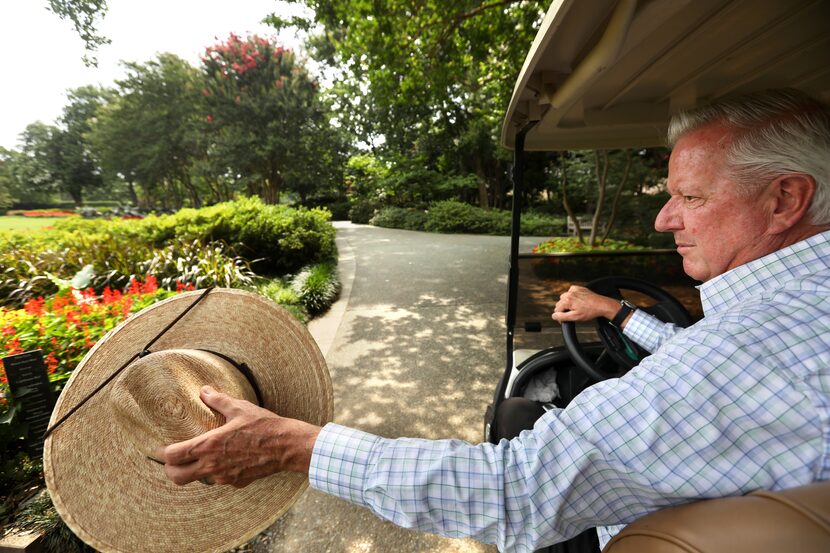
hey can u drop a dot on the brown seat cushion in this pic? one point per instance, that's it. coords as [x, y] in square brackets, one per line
[796, 520]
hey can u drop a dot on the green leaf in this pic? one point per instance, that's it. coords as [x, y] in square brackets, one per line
[82, 278]
[8, 415]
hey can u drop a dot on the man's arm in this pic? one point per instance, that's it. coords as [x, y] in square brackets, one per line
[688, 423]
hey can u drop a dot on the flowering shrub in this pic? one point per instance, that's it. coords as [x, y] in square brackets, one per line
[43, 213]
[573, 245]
[68, 324]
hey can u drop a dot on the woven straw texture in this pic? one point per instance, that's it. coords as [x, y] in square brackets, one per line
[116, 499]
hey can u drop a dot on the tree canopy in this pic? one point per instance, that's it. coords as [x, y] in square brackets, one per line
[427, 80]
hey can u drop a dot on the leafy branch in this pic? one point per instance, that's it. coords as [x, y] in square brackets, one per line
[84, 15]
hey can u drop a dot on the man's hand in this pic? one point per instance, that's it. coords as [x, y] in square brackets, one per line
[253, 443]
[580, 304]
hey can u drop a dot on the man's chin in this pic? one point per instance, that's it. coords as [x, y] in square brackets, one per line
[695, 271]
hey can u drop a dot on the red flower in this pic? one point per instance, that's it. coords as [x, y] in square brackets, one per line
[210, 118]
[111, 296]
[150, 285]
[34, 306]
[9, 330]
[51, 363]
[127, 304]
[135, 287]
[13, 347]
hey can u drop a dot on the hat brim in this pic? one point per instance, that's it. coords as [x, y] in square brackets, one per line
[115, 498]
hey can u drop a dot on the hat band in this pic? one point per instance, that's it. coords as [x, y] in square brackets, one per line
[242, 368]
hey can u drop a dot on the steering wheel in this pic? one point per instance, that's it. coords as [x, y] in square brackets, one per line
[621, 354]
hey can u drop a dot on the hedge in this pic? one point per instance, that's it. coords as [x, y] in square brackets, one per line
[457, 217]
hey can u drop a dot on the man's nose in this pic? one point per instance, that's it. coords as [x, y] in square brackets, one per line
[668, 219]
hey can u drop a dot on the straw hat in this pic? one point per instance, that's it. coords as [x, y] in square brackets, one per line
[97, 462]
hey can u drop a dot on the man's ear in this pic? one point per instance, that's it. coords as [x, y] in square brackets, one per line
[792, 196]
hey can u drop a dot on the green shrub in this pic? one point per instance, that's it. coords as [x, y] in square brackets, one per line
[538, 224]
[454, 217]
[317, 287]
[399, 217]
[278, 291]
[220, 244]
[362, 211]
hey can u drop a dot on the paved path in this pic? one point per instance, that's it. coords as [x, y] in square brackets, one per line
[415, 346]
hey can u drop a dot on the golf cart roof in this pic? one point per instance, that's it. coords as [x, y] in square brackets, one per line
[610, 73]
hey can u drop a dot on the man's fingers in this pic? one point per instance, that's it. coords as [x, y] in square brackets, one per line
[180, 453]
[223, 403]
[566, 316]
[185, 474]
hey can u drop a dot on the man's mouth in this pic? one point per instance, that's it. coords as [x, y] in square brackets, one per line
[683, 246]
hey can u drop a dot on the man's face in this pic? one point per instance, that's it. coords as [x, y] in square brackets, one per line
[715, 228]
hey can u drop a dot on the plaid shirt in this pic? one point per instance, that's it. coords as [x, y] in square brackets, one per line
[740, 401]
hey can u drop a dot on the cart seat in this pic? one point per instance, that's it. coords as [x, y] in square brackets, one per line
[796, 519]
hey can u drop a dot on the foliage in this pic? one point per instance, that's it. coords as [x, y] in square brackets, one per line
[427, 80]
[265, 118]
[399, 217]
[148, 134]
[84, 15]
[612, 186]
[58, 159]
[41, 515]
[573, 245]
[220, 244]
[362, 211]
[459, 217]
[281, 292]
[317, 286]
[192, 263]
[65, 327]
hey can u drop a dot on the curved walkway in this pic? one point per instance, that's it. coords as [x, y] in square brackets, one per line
[415, 346]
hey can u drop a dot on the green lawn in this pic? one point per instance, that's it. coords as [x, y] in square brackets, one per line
[17, 222]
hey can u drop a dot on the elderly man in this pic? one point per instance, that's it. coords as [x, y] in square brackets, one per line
[739, 401]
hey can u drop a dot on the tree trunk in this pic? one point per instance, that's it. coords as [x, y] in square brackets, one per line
[271, 188]
[132, 193]
[565, 203]
[602, 174]
[483, 199]
[617, 197]
[77, 195]
[191, 190]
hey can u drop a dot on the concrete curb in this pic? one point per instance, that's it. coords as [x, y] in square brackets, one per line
[324, 329]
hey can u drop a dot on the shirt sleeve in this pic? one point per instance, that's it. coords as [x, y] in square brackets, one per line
[665, 434]
[648, 331]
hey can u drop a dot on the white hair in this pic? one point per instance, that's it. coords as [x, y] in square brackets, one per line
[777, 132]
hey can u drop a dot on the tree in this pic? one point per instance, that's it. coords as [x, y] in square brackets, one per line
[428, 79]
[264, 118]
[6, 179]
[149, 133]
[34, 171]
[73, 167]
[605, 183]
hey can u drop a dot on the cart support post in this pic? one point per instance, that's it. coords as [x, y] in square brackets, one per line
[515, 232]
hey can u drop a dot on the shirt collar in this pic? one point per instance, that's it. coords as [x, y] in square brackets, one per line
[775, 269]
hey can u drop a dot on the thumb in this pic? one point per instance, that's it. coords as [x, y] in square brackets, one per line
[223, 403]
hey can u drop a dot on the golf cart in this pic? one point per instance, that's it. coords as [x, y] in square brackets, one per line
[609, 74]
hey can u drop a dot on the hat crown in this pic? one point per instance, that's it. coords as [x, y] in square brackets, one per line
[155, 401]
